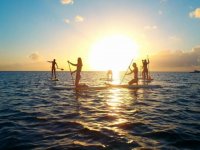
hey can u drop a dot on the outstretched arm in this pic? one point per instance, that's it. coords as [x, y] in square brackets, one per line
[71, 63]
[49, 61]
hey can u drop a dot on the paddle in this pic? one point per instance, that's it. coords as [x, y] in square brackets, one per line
[126, 72]
[61, 69]
[71, 73]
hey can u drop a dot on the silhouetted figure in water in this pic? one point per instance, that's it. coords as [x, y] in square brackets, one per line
[53, 68]
[135, 74]
[145, 72]
[109, 75]
[78, 70]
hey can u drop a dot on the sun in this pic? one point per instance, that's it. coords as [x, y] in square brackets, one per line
[113, 52]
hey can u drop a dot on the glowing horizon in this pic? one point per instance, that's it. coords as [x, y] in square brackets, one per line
[33, 32]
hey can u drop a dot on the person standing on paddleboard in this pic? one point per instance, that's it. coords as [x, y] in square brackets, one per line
[135, 74]
[53, 68]
[145, 72]
[78, 70]
[109, 75]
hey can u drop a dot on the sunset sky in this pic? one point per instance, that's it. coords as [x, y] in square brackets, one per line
[107, 34]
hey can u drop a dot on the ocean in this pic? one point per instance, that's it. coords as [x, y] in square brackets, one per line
[35, 116]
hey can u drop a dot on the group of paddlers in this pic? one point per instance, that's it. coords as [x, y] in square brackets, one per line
[77, 71]
[79, 64]
[145, 72]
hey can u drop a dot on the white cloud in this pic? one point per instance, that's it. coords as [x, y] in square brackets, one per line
[79, 18]
[154, 27]
[175, 38]
[66, 2]
[67, 21]
[195, 13]
[34, 56]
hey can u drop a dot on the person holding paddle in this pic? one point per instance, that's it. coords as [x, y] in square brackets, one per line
[135, 74]
[53, 68]
[145, 72]
[78, 70]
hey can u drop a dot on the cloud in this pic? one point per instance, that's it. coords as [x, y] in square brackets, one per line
[175, 39]
[34, 56]
[154, 27]
[66, 2]
[79, 18]
[67, 21]
[178, 60]
[195, 13]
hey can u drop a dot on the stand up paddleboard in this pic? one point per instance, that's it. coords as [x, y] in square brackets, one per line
[79, 88]
[146, 80]
[108, 86]
[54, 79]
[132, 86]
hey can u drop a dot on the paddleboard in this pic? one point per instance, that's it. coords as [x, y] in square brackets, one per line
[108, 86]
[79, 88]
[146, 80]
[106, 79]
[54, 79]
[132, 86]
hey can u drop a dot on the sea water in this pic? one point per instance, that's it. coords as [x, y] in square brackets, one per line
[35, 116]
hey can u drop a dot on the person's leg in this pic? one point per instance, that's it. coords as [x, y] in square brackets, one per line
[132, 81]
[147, 74]
[55, 73]
[78, 77]
[51, 72]
[143, 74]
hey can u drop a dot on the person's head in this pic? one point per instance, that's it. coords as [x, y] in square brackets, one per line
[134, 65]
[54, 60]
[80, 61]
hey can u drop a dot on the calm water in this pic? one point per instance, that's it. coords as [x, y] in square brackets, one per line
[34, 116]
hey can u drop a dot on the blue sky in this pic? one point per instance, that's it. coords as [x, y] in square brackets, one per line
[50, 28]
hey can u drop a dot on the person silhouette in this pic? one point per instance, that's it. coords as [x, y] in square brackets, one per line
[53, 68]
[109, 75]
[78, 71]
[145, 72]
[135, 74]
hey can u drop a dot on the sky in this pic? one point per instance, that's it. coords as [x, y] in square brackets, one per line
[106, 34]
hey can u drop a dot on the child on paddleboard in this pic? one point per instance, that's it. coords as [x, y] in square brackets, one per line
[53, 68]
[78, 70]
[135, 74]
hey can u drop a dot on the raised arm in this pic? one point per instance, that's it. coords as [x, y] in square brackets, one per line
[71, 63]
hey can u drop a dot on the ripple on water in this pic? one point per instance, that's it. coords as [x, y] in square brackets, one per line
[34, 116]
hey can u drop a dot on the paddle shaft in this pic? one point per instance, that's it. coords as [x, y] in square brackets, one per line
[61, 69]
[126, 72]
[71, 73]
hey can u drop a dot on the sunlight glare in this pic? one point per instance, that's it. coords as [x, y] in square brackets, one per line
[114, 52]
